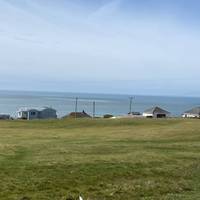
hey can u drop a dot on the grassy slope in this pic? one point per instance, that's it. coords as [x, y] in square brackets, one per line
[100, 159]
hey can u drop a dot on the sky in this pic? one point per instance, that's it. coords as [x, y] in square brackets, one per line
[148, 47]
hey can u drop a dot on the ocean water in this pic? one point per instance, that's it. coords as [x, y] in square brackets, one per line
[64, 103]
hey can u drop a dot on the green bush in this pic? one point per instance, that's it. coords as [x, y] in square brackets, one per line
[107, 116]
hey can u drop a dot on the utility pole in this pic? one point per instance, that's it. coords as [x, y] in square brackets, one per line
[94, 109]
[130, 105]
[76, 107]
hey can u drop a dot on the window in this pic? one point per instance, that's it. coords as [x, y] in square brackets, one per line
[33, 113]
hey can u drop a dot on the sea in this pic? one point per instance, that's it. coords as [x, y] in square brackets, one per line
[115, 104]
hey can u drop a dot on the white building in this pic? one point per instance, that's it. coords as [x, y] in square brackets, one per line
[156, 112]
[36, 113]
[193, 113]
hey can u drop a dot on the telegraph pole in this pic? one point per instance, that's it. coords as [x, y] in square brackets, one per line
[130, 105]
[94, 109]
[76, 107]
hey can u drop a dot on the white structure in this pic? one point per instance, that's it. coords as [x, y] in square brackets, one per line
[37, 113]
[193, 113]
[156, 112]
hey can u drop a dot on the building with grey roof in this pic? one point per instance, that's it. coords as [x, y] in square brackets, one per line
[156, 112]
[36, 113]
[193, 113]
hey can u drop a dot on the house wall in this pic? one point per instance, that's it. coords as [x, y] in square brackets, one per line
[161, 115]
[186, 115]
[147, 115]
[153, 115]
[48, 114]
[22, 115]
[32, 114]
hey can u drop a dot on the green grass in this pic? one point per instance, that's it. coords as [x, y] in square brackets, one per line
[100, 159]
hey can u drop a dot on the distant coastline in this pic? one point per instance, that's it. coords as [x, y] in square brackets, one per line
[73, 94]
[116, 104]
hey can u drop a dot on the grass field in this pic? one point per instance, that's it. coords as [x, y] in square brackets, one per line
[100, 159]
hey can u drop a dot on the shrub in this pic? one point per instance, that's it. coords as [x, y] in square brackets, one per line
[107, 116]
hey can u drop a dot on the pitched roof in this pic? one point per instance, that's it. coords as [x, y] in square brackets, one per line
[156, 110]
[26, 109]
[195, 111]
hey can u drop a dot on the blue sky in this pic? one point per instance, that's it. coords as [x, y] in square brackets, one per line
[102, 46]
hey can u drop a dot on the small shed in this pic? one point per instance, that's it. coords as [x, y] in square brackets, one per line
[156, 112]
[193, 113]
[36, 113]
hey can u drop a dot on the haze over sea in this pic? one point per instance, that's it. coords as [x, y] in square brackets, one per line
[64, 103]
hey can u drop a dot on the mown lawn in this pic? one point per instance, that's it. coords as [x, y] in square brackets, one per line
[100, 159]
